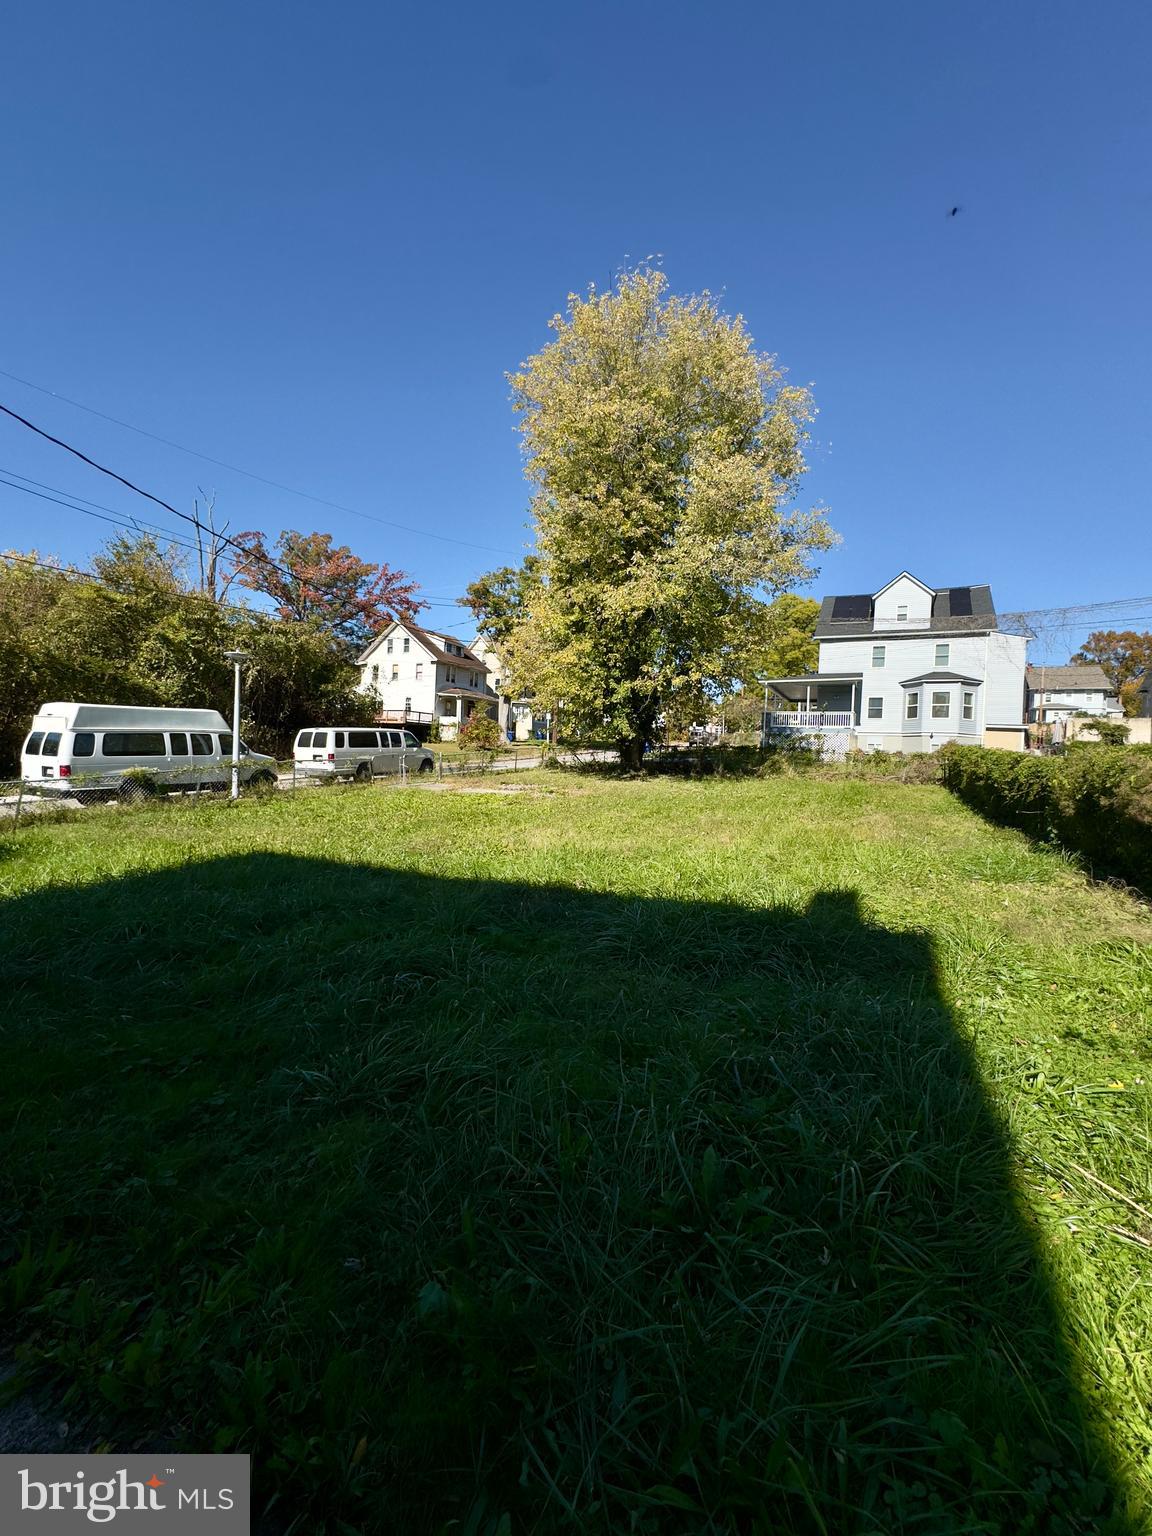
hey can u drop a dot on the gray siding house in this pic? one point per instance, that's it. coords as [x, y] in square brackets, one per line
[1058, 693]
[906, 669]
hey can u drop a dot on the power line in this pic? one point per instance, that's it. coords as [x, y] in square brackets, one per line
[89, 511]
[249, 474]
[71, 573]
[248, 554]
[180, 594]
[97, 509]
[160, 502]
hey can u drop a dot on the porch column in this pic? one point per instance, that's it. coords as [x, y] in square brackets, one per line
[852, 709]
[807, 697]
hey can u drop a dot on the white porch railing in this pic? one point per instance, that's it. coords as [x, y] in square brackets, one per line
[810, 719]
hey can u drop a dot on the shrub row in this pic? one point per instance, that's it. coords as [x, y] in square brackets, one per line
[1097, 802]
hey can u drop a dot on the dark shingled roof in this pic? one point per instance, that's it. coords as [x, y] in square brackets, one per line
[1063, 678]
[954, 610]
[939, 677]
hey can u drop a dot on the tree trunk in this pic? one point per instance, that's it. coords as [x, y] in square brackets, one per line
[632, 753]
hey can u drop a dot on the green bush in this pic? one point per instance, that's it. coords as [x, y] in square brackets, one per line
[479, 732]
[1097, 803]
[1113, 733]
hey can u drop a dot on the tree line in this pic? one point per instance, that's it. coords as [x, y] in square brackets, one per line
[149, 624]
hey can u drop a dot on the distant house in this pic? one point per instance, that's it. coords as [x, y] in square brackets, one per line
[1058, 693]
[419, 676]
[517, 714]
[906, 669]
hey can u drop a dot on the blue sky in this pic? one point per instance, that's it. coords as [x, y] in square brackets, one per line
[310, 240]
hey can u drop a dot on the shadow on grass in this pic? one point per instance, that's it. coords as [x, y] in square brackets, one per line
[493, 1208]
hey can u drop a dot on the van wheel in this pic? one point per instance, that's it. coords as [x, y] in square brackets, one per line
[363, 773]
[425, 765]
[262, 781]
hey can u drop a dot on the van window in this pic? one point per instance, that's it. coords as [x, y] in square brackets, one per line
[363, 739]
[395, 739]
[320, 739]
[32, 745]
[179, 741]
[339, 739]
[226, 743]
[51, 744]
[133, 744]
[304, 739]
[201, 744]
[83, 743]
[409, 739]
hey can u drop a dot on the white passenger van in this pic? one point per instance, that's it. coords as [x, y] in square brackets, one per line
[85, 750]
[358, 752]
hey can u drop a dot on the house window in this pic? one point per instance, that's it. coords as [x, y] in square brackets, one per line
[375, 676]
[969, 705]
[405, 645]
[941, 703]
[912, 707]
[395, 672]
[875, 709]
[902, 614]
[388, 645]
[450, 675]
[878, 652]
[419, 670]
[942, 654]
[407, 706]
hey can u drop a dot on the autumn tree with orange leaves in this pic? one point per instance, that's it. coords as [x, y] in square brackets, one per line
[309, 580]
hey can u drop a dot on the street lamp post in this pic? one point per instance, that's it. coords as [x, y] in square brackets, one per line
[236, 657]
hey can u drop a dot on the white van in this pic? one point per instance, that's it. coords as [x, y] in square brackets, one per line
[358, 752]
[85, 750]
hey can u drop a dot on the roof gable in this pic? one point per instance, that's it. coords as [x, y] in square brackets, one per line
[904, 576]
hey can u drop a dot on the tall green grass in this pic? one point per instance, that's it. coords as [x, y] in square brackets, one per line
[602, 1157]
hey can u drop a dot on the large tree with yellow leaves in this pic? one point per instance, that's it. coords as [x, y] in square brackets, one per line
[665, 454]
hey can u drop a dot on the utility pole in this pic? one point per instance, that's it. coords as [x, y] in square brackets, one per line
[236, 657]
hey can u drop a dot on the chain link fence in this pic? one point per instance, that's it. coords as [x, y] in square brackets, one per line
[22, 800]
[445, 765]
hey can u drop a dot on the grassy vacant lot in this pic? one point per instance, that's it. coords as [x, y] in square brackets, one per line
[602, 1157]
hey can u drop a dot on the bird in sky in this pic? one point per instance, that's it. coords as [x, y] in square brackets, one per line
[952, 212]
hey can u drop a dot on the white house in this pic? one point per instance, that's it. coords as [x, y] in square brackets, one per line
[423, 675]
[517, 715]
[906, 669]
[1058, 693]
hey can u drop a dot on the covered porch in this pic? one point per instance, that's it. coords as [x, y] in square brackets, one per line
[825, 701]
[455, 705]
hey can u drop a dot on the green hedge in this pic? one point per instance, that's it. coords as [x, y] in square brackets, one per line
[1098, 803]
